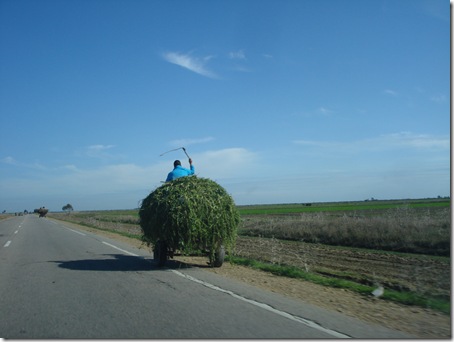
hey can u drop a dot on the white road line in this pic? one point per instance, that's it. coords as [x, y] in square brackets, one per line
[265, 307]
[75, 231]
[7, 244]
[16, 232]
[122, 250]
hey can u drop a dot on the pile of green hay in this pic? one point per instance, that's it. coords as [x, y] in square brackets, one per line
[190, 213]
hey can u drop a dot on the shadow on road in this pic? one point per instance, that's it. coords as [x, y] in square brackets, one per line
[119, 262]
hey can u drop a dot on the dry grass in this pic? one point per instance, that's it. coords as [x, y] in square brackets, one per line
[425, 231]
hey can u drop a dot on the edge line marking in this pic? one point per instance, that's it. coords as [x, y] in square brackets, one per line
[75, 231]
[122, 250]
[265, 307]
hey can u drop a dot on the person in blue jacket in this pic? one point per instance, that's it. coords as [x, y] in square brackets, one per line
[179, 171]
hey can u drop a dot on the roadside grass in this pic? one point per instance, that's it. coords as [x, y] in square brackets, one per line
[5, 216]
[424, 230]
[402, 297]
[125, 234]
[108, 230]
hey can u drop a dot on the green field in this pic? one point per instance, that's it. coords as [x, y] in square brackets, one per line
[296, 208]
[341, 206]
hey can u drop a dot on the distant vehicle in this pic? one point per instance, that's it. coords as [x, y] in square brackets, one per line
[41, 211]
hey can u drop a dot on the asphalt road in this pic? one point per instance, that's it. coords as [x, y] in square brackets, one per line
[58, 282]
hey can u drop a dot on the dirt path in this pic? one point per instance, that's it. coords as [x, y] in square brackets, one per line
[420, 322]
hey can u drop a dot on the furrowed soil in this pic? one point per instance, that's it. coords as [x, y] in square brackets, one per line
[391, 270]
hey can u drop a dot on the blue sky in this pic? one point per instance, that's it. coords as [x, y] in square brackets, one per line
[278, 101]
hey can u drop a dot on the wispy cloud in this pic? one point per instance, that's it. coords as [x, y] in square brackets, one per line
[324, 111]
[12, 161]
[99, 151]
[187, 142]
[194, 64]
[235, 162]
[237, 55]
[412, 140]
[71, 181]
[390, 92]
[241, 68]
[435, 9]
[100, 147]
[321, 111]
[239, 59]
[9, 160]
[387, 141]
[438, 98]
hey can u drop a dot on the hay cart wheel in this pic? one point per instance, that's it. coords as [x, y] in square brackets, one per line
[160, 252]
[218, 257]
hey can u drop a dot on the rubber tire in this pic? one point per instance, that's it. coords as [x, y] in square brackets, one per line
[219, 257]
[160, 253]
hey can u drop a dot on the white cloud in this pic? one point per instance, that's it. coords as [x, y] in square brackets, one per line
[197, 65]
[71, 180]
[62, 184]
[226, 163]
[106, 187]
[218, 165]
[251, 178]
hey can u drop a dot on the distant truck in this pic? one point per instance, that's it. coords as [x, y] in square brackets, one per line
[41, 211]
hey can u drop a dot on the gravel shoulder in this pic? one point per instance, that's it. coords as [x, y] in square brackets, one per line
[420, 322]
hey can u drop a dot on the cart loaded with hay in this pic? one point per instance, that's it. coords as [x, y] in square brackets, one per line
[189, 215]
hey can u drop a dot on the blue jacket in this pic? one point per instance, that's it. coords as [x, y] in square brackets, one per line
[178, 172]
